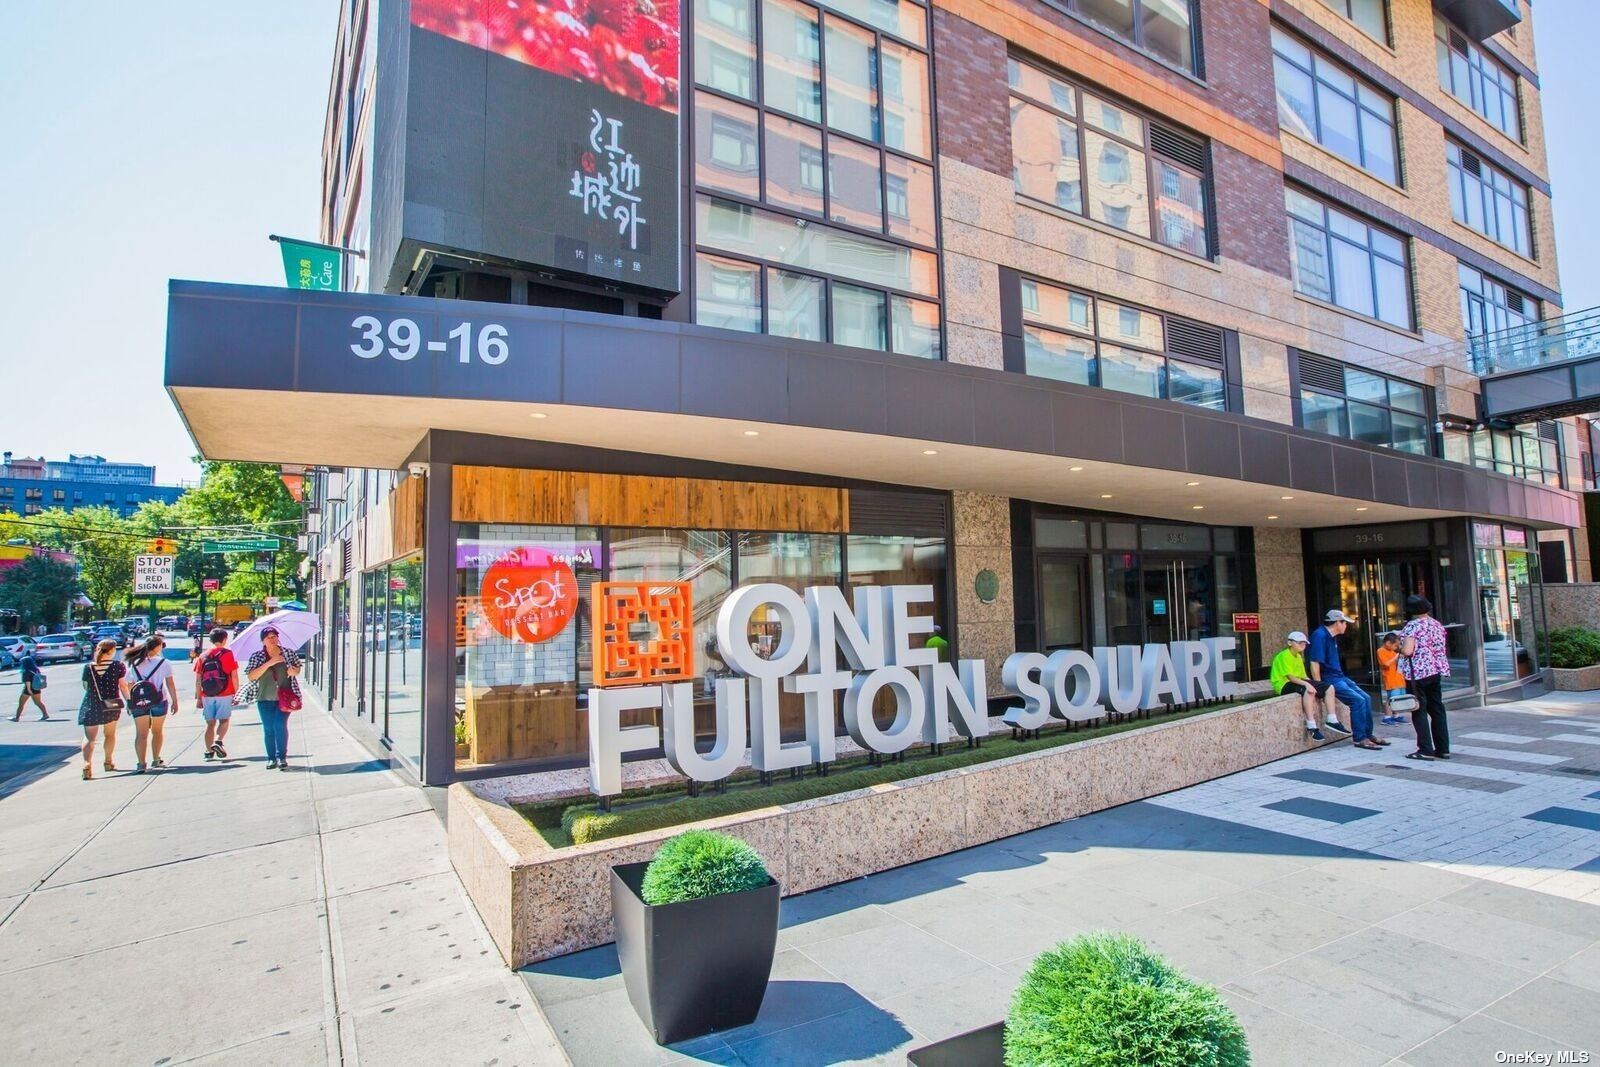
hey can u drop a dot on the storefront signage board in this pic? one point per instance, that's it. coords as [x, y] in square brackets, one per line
[872, 644]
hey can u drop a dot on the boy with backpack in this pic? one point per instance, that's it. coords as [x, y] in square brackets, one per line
[216, 680]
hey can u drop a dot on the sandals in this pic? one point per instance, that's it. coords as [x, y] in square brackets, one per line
[1373, 745]
[88, 772]
[110, 766]
[1419, 756]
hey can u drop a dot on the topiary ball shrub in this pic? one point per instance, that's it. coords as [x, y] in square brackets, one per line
[1572, 647]
[701, 863]
[1105, 1000]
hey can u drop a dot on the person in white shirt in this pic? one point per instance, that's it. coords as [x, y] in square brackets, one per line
[151, 695]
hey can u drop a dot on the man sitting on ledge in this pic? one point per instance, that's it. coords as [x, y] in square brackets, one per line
[1323, 660]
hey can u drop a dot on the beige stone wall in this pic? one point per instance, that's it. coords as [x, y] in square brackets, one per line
[1280, 589]
[539, 902]
[1572, 604]
[983, 542]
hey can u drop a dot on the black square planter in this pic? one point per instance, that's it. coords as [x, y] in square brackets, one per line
[697, 966]
[984, 1047]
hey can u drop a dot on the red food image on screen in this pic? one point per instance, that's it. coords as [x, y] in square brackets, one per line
[628, 47]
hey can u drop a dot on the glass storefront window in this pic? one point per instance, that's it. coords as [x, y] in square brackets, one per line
[522, 639]
[796, 560]
[403, 672]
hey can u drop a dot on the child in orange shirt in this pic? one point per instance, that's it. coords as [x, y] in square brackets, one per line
[1393, 684]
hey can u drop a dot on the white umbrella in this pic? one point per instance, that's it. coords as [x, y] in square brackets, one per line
[294, 628]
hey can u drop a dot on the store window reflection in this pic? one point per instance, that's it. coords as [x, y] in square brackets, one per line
[403, 672]
[1510, 601]
[795, 560]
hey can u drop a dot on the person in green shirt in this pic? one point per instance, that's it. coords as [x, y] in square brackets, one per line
[1289, 676]
[937, 642]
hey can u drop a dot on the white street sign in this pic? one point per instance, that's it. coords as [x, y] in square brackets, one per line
[152, 575]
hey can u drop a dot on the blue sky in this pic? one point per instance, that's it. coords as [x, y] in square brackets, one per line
[152, 141]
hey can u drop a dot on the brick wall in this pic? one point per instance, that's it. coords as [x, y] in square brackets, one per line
[1251, 225]
[970, 95]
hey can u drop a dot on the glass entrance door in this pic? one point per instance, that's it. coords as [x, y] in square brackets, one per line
[1061, 601]
[1179, 600]
[1372, 591]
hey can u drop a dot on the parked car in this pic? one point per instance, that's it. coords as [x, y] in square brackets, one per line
[84, 635]
[58, 648]
[8, 662]
[15, 643]
[111, 633]
[136, 625]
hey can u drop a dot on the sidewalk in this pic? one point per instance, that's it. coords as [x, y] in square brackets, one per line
[224, 913]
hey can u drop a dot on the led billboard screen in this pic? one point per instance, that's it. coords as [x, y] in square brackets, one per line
[547, 133]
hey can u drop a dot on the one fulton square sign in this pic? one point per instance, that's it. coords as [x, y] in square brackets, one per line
[824, 645]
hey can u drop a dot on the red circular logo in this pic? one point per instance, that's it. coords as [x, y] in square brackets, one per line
[529, 595]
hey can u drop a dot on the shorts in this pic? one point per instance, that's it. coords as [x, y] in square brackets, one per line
[1295, 689]
[1390, 694]
[158, 711]
[214, 708]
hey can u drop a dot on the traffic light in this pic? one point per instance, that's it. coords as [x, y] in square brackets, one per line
[162, 546]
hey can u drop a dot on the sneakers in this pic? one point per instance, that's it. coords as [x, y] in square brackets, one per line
[138, 768]
[219, 750]
[283, 765]
[158, 763]
[1389, 720]
[1336, 727]
[209, 754]
[272, 764]
[1315, 734]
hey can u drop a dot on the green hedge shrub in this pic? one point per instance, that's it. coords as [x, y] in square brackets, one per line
[1574, 646]
[1105, 1000]
[701, 863]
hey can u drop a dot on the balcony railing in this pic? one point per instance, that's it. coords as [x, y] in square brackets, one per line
[1537, 344]
[1481, 19]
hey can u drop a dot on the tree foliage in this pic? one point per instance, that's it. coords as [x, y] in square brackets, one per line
[40, 590]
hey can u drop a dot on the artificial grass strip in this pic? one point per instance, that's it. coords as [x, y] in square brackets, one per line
[562, 823]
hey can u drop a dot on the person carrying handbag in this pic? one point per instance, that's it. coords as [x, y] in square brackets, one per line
[272, 681]
[102, 704]
[33, 682]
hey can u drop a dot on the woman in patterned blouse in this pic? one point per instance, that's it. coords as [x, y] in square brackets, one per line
[1422, 643]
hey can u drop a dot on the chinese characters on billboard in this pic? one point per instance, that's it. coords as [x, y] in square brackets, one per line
[579, 129]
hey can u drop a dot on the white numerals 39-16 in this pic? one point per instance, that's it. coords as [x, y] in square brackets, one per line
[405, 340]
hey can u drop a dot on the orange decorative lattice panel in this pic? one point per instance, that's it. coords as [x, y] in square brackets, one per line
[643, 633]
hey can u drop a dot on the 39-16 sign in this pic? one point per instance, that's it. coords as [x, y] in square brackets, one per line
[402, 339]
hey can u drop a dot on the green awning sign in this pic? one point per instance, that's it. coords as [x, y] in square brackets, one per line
[311, 266]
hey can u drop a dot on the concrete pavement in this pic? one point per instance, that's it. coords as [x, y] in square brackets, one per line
[223, 913]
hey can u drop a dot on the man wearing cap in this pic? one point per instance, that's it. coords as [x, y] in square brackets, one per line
[1289, 676]
[1322, 658]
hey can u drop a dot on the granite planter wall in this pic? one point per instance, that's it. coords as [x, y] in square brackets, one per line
[1574, 681]
[540, 902]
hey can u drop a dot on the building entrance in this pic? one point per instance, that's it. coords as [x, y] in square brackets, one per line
[1372, 590]
[1179, 600]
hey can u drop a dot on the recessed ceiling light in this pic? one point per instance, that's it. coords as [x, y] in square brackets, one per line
[1197, 507]
[1074, 468]
[1272, 516]
[1361, 509]
[1286, 498]
[752, 433]
[537, 415]
[1105, 496]
[930, 451]
[1191, 483]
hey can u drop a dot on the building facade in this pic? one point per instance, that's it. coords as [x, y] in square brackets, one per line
[29, 486]
[1108, 321]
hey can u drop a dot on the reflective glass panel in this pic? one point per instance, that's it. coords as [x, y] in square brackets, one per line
[791, 58]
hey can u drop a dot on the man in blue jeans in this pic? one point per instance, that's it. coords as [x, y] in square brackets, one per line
[1322, 659]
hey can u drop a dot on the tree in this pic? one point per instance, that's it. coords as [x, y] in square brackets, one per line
[40, 589]
[104, 543]
[249, 495]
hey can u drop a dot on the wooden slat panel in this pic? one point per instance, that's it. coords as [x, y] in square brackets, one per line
[499, 494]
[405, 517]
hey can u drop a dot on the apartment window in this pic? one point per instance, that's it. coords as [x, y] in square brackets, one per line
[758, 272]
[7, 492]
[1488, 307]
[1531, 451]
[1489, 200]
[1348, 262]
[1164, 28]
[1365, 406]
[33, 493]
[1324, 102]
[1072, 336]
[110, 498]
[836, 127]
[1369, 15]
[1477, 79]
[58, 494]
[31, 509]
[1080, 153]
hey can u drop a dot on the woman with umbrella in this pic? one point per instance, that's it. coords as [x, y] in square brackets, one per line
[272, 675]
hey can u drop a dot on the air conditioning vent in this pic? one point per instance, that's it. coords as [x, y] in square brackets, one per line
[1549, 431]
[1194, 340]
[1514, 302]
[1319, 373]
[1471, 164]
[881, 511]
[1178, 147]
[344, 556]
